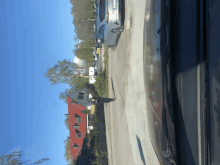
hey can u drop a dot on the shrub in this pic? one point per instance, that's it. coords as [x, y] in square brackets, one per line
[101, 83]
[86, 112]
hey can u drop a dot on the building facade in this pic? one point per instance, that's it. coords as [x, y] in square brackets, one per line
[77, 126]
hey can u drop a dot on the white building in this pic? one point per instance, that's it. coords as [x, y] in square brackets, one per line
[91, 72]
[91, 75]
[89, 107]
[90, 96]
[92, 80]
[81, 70]
[78, 61]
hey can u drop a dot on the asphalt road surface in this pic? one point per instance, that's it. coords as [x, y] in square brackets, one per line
[128, 139]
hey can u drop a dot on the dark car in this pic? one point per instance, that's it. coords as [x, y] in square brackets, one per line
[182, 80]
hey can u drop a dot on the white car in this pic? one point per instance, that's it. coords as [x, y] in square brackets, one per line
[109, 24]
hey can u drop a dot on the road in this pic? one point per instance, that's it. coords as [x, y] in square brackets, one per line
[128, 139]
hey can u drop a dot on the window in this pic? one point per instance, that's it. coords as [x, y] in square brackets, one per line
[78, 135]
[80, 97]
[75, 146]
[75, 126]
[102, 10]
[78, 120]
[81, 93]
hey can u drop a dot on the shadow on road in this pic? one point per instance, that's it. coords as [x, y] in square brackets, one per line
[113, 88]
[140, 150]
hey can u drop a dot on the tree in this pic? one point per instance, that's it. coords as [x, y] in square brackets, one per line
[67, 122]
[16, 158]
[101, 83]
[62, 72]
[79, 82]
[93, 91]
[63, 97]
[67, 150]
[86, 112]
[83, 11]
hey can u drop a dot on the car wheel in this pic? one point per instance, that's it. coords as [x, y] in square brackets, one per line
[121, 29]
[114, 30]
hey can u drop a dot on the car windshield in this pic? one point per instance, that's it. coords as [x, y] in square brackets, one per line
[102, 10]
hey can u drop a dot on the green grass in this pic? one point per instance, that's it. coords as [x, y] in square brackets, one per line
[106, 57]
[101, 84]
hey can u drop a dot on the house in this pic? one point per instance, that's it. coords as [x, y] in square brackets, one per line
[81, 97]
[77, 126]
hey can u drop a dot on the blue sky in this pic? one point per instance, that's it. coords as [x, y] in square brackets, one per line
[34, 35]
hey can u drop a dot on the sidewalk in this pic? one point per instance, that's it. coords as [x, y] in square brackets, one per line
[108, 122]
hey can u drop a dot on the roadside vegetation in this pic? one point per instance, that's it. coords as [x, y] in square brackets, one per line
[106, 57]
[100, 155]
[86, 112]
[101, 84]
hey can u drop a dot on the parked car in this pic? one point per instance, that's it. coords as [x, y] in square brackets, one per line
[109, 23]
[97, 36]
[98, 50]
[182, 80]
[98, 41]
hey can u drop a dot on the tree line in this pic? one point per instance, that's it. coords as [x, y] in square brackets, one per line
[67, 72]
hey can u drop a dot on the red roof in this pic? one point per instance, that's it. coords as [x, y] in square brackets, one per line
[75, 112]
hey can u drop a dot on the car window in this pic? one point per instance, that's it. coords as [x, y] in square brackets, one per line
[102, 10]
[101, 31]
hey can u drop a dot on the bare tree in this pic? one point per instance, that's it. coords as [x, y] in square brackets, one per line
[17, 157]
